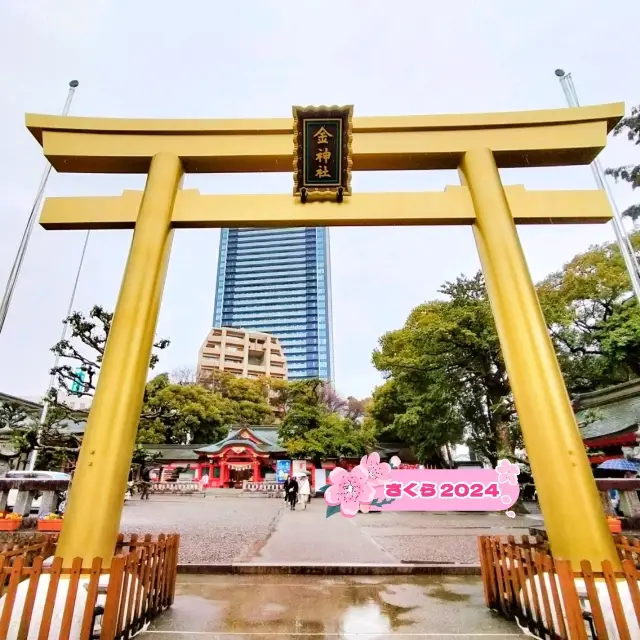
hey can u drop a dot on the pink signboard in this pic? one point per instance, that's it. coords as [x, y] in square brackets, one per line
[378, 486]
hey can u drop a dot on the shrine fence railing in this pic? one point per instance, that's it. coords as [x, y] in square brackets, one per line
[40, 596]
[552, 599]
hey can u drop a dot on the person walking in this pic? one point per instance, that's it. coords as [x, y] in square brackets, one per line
[291, 491]
[146, 484]
[305, 490]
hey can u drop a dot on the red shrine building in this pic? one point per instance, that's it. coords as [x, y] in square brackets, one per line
[246, 454]
[609, 420]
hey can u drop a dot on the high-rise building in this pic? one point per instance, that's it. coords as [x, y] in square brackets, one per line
[278, 281]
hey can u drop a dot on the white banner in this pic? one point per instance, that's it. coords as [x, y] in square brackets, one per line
[319, 478]
[298, 467]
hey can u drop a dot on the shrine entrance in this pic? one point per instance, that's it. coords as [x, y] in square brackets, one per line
[238, 472]
[322, 146]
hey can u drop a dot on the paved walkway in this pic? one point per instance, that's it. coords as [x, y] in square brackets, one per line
[392, 537]
[225, 530]
[308, 536]
[380, 608]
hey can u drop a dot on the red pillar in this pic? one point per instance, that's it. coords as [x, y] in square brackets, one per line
[256, 471]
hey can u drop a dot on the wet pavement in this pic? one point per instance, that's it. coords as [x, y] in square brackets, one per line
[271, 607]
[212, 530]
[307, 535]
[221, 530]
[389, 537]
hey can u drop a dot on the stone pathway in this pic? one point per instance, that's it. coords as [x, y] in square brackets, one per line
[308, 536]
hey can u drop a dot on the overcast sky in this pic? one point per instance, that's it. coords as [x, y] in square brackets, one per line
[251, 58]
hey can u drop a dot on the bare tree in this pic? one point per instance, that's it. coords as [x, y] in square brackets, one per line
[334, 402]
[183, 375]
[356, 408]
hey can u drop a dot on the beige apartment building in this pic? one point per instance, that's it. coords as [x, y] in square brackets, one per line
[246, 354]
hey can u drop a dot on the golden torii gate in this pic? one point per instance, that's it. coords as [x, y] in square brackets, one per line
[476, 145]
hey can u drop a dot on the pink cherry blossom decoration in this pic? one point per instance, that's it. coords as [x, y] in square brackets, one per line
[349, 489]
[507, 472]
[378, 472]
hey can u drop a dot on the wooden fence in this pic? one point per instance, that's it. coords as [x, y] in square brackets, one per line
[41, 599]
[549, 598]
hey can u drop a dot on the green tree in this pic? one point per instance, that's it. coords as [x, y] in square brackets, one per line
[83, 350]
[447, 380]
[593, 318]
[183, 413]
[16, 414]
[629, 126]
[250, 397]
[314, 425]
[57, 445]
[335, 437]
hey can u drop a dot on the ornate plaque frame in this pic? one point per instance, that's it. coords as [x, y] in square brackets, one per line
[322, 150]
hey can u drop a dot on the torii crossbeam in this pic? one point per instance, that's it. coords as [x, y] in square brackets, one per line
[476, 145]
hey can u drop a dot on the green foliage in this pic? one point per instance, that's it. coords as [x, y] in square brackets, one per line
[143, 457]
[16, 414]
[249, 397]
[629, 126]
[593, 319]
[317, 424]
[199, 414]
[57, 447]
[446, 378]
[447, 381]
[84, 350]
[177, 414]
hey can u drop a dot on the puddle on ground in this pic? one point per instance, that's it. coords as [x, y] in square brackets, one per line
[447, 596]
[340, 607]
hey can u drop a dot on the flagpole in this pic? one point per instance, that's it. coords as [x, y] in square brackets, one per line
[16, 270]
[26, 236]
[624, 244]
[52, 380]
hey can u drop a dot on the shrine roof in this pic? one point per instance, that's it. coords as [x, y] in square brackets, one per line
[616, 410]
[267, 440]
[172, 451]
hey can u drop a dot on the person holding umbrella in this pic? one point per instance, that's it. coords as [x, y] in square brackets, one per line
[304, 489]
[617, 468]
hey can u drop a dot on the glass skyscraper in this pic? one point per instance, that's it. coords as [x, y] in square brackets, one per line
[279, 281]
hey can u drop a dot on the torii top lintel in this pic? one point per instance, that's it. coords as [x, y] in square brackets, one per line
[553, 137]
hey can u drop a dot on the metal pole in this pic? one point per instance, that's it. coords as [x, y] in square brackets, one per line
[26, 236]
[52, 380]
[624, 244]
